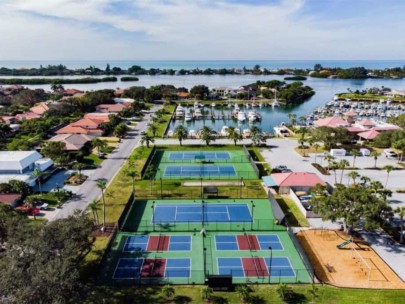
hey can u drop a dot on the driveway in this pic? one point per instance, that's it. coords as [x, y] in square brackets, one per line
[108, 169]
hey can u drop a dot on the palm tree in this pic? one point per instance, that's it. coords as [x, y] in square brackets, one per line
[353, 175]
[132, 174]
[316, 147]
[244, 292]
[401, 212]
[292, 117]
[153, 128]
[37, 174]
[206, 293]
[329, 158]
[168, 291]
[93, 206]
[102, 184]
[99, 144]
[334, 166]
[256, 135]
[343, 164]
[375, 155]
[365, 180]
[355, 153]
[206, 135]
[181, 133]
[388, 168]
[376, 186]
[79, 167]
[146, 138]
[233, 135]
[283, 290]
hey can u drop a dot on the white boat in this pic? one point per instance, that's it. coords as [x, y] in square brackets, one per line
[197, 113]
[336, 97]
[179, 111]
[170, 133]
[252, 116]
[241, 116]
[275, 102]
[188, 117]
[246, 132]
[213, 104]
[192, 133]
[236, 106]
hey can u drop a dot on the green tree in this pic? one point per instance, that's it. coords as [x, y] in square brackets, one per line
[79, 167]
[329, 158]
[388, 169]
[292, 117]
[256, 135]
[132, 174]
[353, 175]
[354, 153]
[206, 293]
[94, 207]
[401, 213]
[206, 135]
[400, 145]
[375, 155]
[316, 147]
[233, 135]
[121, 130]
[146, 138]
[168, 291]
[283, 291]
[343, 164]
[243, 292]
[37, 174]
[102, 184]
[54, 149]
[181, 133]
[99, 144]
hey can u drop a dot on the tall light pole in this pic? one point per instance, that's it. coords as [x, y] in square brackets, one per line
[271, 257]
[253, 218]
[153, 215]
[205, 262]
[240, 187]
[202, 210]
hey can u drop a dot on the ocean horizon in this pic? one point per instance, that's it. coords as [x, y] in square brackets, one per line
[204, 64]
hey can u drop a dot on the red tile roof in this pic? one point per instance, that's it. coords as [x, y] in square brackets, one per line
[297, 179]
[9, 198]
[40, 109]
[27, 116]
[370, 134]
[332, 122]
[366, 123]
[111, 108]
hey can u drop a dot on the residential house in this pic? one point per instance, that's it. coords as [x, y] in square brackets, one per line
[19, 165]
[88, 126]
[73, 142]
[111, 108]
[40, 108]
[27, 116]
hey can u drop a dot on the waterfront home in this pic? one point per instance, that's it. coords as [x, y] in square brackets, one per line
[111, 108]
[223, 92]
[19, 165]
[332, 122]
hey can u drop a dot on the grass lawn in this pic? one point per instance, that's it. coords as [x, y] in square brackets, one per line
[294, 216]
[92, 159]
[161, 127]
[261, 294]
[120, 189]
[261, 163]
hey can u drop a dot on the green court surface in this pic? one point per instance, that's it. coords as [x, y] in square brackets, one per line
[139, 218]
[202, 164]
[183, 241]
[202, 261]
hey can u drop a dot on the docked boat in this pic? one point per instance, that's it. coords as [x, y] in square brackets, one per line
[241, 116]
[224, 131]
[198, 113]
[188, 117]
[179, 111]
[275, 103]
[252, 116]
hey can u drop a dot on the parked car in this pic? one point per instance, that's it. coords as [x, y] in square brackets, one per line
[43, 206]
[28, 210]
[390, 154]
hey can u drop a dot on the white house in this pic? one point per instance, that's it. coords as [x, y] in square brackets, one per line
[20, 165]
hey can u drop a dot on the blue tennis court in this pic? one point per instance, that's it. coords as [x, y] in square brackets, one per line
[199, 170]
[183, 213]
[248, 242]
[133, 268]
[142, 243]
[252, 267]
[199, 156]
[178, 268]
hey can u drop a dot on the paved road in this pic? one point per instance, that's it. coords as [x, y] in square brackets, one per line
[108, 169]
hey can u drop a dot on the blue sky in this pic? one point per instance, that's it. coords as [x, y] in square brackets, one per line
[201, 29]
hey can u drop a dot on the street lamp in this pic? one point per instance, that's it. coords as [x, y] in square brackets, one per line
[253, 218]
[271, 257]
[153, 215]
[205, 263]
[202, 209]
[161, 183]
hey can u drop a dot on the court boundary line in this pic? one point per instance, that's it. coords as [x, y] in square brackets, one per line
[279, 241]
[289, 262]
[176, 258]
[170, 242]
[126, 243]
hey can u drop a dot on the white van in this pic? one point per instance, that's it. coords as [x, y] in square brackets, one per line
[337, 152]
[364, 152]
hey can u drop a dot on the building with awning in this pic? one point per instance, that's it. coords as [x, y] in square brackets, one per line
[297, 181]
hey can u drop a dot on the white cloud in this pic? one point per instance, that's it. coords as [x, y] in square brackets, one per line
[177, 29]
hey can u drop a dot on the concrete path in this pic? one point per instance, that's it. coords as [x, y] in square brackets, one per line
[108, 169]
